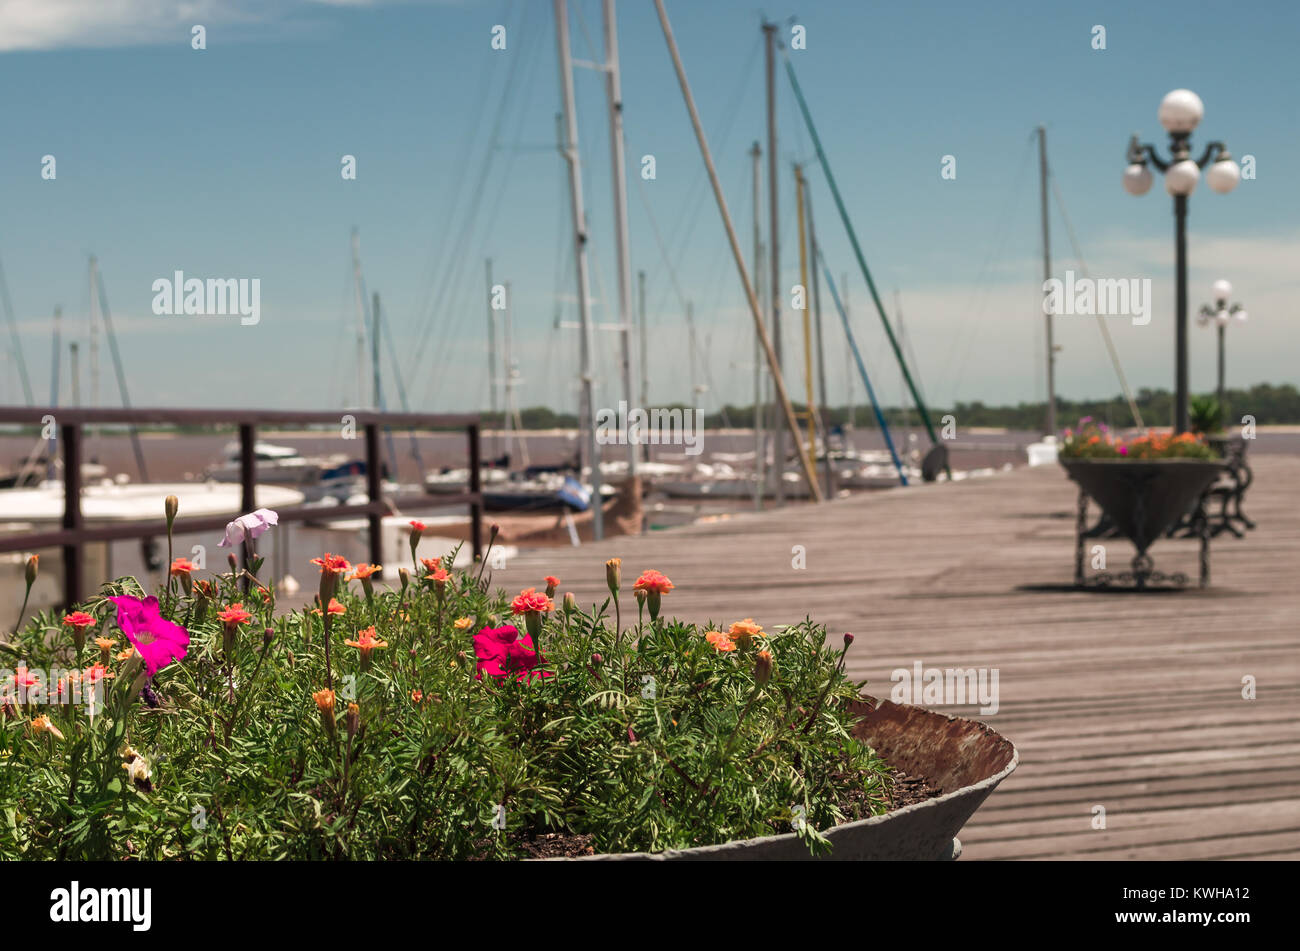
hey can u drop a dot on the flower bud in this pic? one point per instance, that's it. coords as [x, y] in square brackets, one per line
[641, 594]
[33, 562]
[763, 667]
[268, 635]
[351, 719]
[171, 505]
[325, 704]
[404, 577]
[596, 660]
[848, 639]
[614, 575]
[232, 561]
[570, 602]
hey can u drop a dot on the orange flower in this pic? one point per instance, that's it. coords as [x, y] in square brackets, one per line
[655, 582]
[552, 583]
[652, 585]
[324, 700]
[78, 619]
[743, 632]
[720, 641]
[463, 623]
[530, 600]
[364, 571]
[367, 641]
[335, 564]
[234, 615]
[125, 654]
[105, 644]
[417, 696]
[181, 566]
[43, 725]
[97, 673]
[334, 608]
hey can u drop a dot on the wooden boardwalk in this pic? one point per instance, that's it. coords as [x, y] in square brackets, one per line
[1128, 701]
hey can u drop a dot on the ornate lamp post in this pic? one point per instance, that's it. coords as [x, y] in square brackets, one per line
[1180, 112]
[1220, 314]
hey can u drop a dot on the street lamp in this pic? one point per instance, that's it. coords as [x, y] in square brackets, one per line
[1180, 112]
[1220, 314]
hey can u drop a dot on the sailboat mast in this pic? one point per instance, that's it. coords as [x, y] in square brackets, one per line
[588, 412]
[645, 373]
[618, 161]
[755, 153]
[508, 366]
[94, 335]
[848, 360]
[824, 408]
[492, 346]
[774, 232]
[1047, 276]
[810, 400]
[54, 385]
[359, 294]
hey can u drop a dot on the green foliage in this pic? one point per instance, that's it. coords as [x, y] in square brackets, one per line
[665, 742]
[1205, 415]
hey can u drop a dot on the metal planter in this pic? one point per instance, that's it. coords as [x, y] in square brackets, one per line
[963, 757]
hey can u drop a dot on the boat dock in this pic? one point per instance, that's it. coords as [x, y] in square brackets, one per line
[1127, 701]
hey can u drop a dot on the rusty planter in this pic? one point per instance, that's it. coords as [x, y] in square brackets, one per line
[963, 757]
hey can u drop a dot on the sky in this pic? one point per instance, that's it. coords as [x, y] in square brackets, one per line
[225, 162]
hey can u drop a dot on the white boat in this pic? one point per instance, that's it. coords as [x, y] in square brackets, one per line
[317, 476]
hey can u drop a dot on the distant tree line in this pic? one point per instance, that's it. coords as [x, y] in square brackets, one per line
[1266, 402]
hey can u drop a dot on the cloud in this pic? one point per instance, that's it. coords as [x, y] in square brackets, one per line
[62, 24]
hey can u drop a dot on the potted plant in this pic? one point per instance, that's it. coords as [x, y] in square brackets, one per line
[433, 716]
[1143, 486]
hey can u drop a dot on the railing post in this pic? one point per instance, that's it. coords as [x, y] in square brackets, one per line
[476, 488]
[72, 518]
[374, 491]
[247, 487]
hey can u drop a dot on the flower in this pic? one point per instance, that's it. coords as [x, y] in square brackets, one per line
[720, 641]
[352, 719]
[33, 563]
[362, 572]
[125, 654]
[529, 600]
[105, 645]
[234, 615]
[552, 583]
[417, 527]
[763, 667]
[743, 632]
[614, 575]
[96, 673]
[367, 641]
[325, 705]
[334, 608]
[43, 725]
[655, 584]
[252, 525]
[653, 581]
[417, 696]
[158, 640]
[501, 651]
[181, 566]
[334, 564]
[463, 623]
[78, 621]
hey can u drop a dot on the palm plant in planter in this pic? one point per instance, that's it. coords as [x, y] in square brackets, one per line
[440, 718]
[1143, 486]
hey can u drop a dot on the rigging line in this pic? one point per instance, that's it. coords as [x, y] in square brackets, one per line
[961, 341]
[470, 219]
[452, 205]
[17, 343]
[107, 317]
[862, 370]
[1101, 321]
[463, 267]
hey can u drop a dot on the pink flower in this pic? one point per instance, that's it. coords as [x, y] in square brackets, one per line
[252, 525]
[158, 640]
[1123, 450]
[501, 652]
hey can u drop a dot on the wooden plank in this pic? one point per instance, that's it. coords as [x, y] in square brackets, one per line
[1130, 700]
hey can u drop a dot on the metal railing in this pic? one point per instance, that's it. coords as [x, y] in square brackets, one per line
[74, 533]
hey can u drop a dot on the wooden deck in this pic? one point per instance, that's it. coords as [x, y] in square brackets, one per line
[1130, 701]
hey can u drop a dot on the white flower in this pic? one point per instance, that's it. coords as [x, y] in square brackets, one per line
[251, 525]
